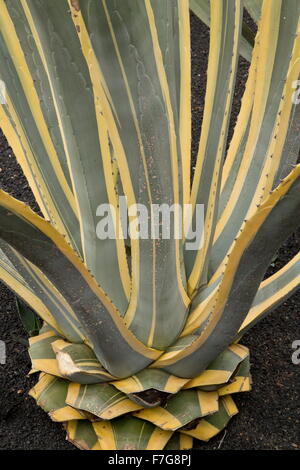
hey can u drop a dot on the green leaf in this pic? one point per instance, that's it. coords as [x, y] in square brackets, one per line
[252, 253]
[50, 394]
[130, 433]
[78, 363]
[210, 426]
[99, 401]
[36, 240]
[31, 322]
[201, 8]
[254, 8]
[265, 127]
[133, 79]
[226, 21]
[272, 292]
[82, 435]
[181, 409]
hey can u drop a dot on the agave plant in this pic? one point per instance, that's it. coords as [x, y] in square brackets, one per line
[140, 345]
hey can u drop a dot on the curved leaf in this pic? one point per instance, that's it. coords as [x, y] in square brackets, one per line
[272, 292]
[35, 239]
[130, 81]
[78, 363]
[226, 18]
[252, 252]
[99, 400]
[50, 394]
[82, 435]
[130, 434]
[278, 62]
[210, 426]
[181, 409]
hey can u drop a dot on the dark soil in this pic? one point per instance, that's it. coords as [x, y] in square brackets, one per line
[269, 416]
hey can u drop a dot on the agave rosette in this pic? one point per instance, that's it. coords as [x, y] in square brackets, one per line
[140, 344]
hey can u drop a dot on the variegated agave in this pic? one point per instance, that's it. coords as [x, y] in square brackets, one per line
[140, 344]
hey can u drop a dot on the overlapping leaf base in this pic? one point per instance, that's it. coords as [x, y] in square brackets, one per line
[151, 410]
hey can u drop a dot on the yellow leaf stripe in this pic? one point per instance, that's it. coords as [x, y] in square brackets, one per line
[215, 55]
[10, 36]
[20, 288]
[185, 118]
[24, 212]
[267, 37]
[259, 309]
[173, 147]
[241, 243]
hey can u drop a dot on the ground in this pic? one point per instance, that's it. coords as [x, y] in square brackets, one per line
[269, 415]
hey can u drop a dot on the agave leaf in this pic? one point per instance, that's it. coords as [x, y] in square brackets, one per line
[45, 328]
[291, 148]
[254, 8]
[226, 19]
[252, 252]
[210, 426]
[181, 409]
[31, 322]
[127, 64]
[41, 352]
[201, 8]
[138, 105]
[174, 41]
[179, 441]
[272, 292]
[100, 400]
[199, 308]
[7, 265]
[36, 149]
[130, 433]
[241, 382]
[43, 246]
[221, 370]
[282, 154]
[185, 112]
[277, 61]
[50, 394]
[148, 379]
[176, 349]
[82, 435]
[11, 277]
[278, 159]
[80, 127]
[78, 363]
[62, 317]
[238, 142]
